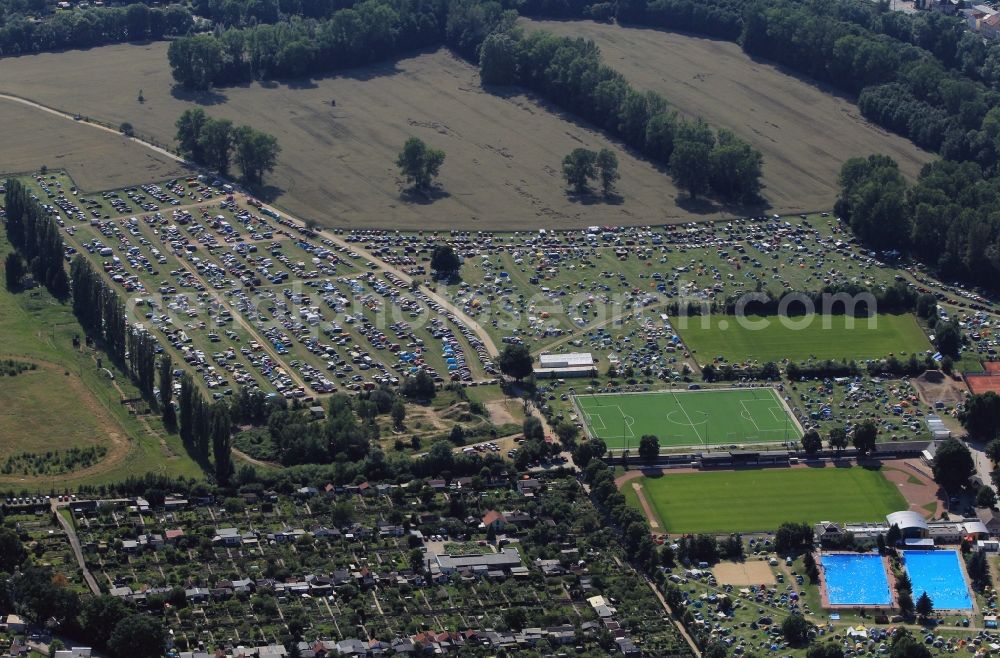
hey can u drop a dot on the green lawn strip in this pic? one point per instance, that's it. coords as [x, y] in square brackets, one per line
[722, 336]
[760, 500]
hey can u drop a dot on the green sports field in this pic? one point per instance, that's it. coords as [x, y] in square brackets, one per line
[716, 335]
[688, 418]
[761, 500]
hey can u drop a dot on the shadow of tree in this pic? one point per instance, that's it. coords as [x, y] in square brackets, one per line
[208, 98]
[423, 197]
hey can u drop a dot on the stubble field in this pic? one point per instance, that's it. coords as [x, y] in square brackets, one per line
[804, 132]
[96, 158]
[337, 165]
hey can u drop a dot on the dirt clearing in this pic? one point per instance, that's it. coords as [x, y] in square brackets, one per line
[503, 412]
[934, 386]
[742, 574]
[96, 159]
[916, 485]
[804, 132]
[504, 152]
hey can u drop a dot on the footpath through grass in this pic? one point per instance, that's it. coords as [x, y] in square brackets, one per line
[689, 418]
[771, 338]
[761, 500]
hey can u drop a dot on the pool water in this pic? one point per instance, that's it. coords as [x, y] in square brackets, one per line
[939, 574]
[856, 579]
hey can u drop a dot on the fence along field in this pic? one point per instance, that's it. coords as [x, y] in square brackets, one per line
[504, 151]
[688, 418]
[804, 132]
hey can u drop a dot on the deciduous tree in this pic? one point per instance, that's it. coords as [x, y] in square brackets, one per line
[419, 164]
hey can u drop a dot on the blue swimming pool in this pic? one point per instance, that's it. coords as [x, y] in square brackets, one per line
[855, 579]
[939, 574]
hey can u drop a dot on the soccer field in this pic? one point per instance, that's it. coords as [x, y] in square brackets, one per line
[760, 500]
[688, 418]
[802, 338]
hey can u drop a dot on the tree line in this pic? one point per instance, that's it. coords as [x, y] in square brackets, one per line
[921, 76]
[35, 236]
[21, 33]
[570, 73]
[948, 218]
[369, 31]
[216, 143]
[101, 312]
[206, 426]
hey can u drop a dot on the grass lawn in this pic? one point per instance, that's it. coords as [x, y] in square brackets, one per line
[80, 408]
[57, 422]
[760, 500]
[804, 337]
[681, 418]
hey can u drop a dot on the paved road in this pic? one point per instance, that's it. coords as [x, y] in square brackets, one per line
[74, 542]
[983, 465]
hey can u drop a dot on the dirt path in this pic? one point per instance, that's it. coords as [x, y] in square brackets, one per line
[647, 509]
[628, 476]
[70, 117]
[483, 335]
[677, 623]
[74, 543]
[253, 460]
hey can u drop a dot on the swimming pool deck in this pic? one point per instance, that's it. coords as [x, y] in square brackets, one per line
[825, 594]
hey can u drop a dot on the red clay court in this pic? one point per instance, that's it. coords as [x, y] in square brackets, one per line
[983, 383]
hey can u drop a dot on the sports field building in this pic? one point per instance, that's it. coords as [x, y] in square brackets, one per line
[915, 530]
[573, 364]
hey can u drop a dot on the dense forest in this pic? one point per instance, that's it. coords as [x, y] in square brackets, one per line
[83, 28]
[370, 31]
[949, 219]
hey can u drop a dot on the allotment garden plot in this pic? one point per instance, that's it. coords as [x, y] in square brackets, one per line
[681, 418]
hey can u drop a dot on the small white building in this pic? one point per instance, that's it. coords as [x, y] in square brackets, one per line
[14, 624]
[937, 427]
[572, 364]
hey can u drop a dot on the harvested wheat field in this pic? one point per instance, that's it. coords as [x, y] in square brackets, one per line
[804, 132]
[337, 164]
[97, 159]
